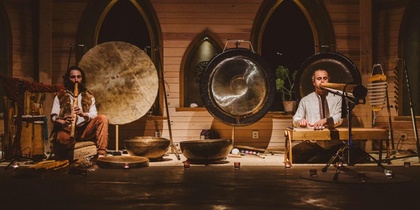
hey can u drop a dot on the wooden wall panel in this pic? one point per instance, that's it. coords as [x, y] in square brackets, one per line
[345, 19]
[181, 21]
[387, 28]
[66, 16]
[20, 17]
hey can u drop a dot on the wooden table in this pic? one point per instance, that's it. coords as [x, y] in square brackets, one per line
[292, 134]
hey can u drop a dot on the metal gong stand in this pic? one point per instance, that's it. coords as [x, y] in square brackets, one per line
[344, 153]
[162, 79]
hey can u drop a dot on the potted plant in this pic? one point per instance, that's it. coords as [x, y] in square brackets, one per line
[285, 81]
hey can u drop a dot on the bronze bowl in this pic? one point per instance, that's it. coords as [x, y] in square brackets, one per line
[153, 148]
[206, 150]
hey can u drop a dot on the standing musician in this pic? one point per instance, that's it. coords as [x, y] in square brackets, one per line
[76, 119]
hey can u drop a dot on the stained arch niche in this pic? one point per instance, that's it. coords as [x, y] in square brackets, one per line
[201, 50]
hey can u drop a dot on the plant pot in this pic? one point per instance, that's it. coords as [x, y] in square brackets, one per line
[290, 106]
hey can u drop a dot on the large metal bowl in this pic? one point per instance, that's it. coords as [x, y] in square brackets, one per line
[151, 147]
[206, 150]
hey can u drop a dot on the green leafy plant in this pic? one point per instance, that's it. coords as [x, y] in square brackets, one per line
[285, 81]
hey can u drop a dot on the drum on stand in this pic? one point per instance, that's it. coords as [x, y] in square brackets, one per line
[32, 143]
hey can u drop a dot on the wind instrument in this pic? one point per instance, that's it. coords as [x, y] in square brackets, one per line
[356, 91]
[75, 103]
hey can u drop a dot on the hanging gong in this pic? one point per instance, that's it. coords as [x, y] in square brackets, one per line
[340, 70]
[237, 87]
[123, 80]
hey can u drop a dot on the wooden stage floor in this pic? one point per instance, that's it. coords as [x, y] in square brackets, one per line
[259, 183]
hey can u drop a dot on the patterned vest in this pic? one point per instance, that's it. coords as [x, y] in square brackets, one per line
[65, 105]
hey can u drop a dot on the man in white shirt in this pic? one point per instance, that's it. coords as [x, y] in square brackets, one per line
[319, 108]
[89, 125]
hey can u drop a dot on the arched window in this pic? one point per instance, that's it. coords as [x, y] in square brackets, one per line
[288, 32]
[5, 46]
[409, 59]
[130, 27]
[200, 51]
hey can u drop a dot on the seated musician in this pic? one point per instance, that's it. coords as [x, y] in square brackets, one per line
[76, 119]
[317, 110]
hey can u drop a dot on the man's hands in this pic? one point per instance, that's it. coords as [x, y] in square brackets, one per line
[319, 125]
[78, 111]
[69, 118]
[303, 123]
[66, 121]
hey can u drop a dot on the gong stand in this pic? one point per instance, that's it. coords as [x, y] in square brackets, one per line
[233, 135]
[347, 108]
[173, 148]
[116, 140]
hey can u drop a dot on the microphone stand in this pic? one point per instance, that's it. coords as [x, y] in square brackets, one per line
[348, 103]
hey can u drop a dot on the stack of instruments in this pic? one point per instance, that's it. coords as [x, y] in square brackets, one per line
[378, 91]
[378, 95]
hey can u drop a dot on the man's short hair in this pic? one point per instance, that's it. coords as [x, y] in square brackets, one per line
[313, 74]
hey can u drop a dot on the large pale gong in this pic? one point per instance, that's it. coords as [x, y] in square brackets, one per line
[123, 80]
[340, 70]
[237, 87]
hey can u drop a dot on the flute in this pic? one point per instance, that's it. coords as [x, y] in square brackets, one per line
[75, 103]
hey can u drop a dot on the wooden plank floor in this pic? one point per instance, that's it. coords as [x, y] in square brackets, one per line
[168, 185]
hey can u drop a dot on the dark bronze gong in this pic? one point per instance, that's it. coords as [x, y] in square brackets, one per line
[237, 87]
[123, 79]
[340, 70]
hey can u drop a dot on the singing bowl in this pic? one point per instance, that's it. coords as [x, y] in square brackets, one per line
[206, 150]
[115, 162]
[151, 147]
